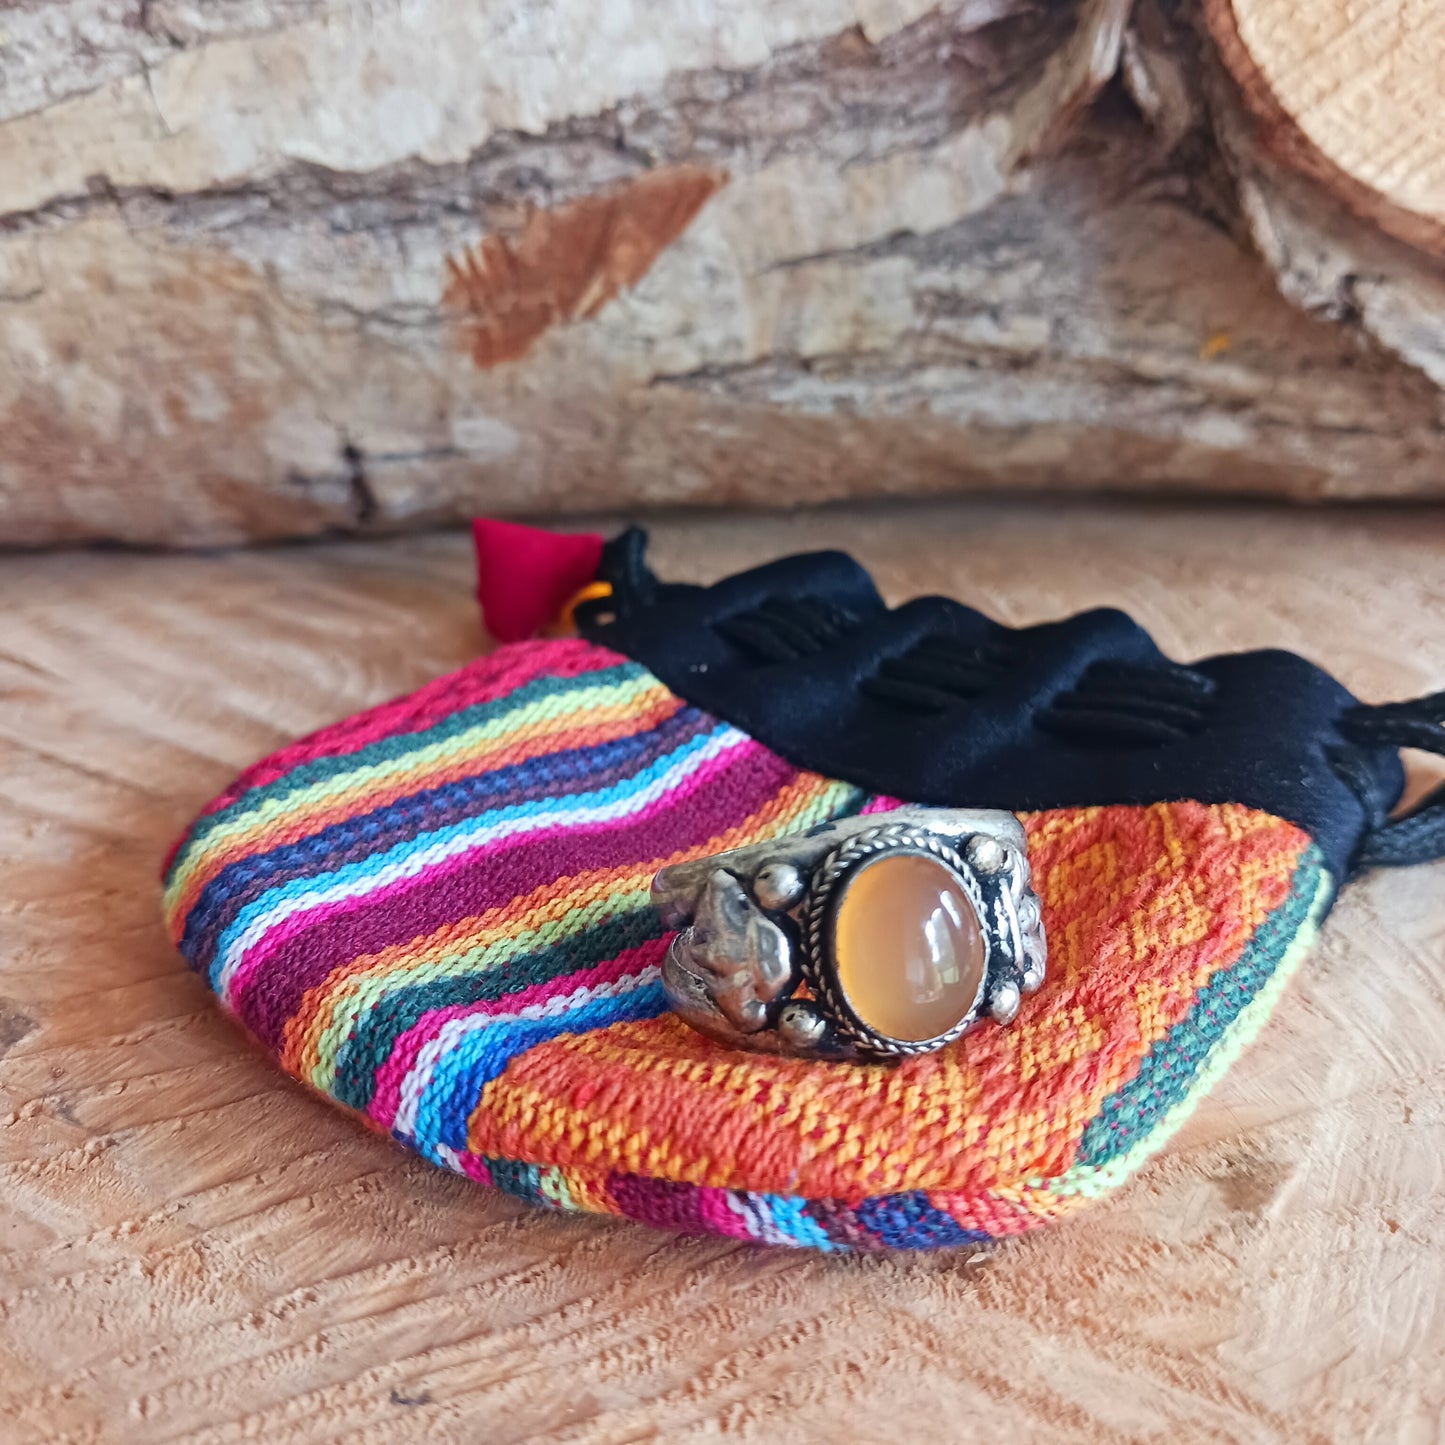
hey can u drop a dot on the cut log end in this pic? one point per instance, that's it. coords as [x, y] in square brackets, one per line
[1352, 96]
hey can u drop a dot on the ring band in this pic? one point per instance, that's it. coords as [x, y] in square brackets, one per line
[872, 938]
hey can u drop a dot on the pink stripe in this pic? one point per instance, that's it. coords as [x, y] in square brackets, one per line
[274, 937]
[391, 1074]
[485, 680]
[713, 1211]
[303, 963]
[473, 1167]
[881, 804]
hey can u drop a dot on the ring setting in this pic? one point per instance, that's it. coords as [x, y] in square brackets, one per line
[871, 938]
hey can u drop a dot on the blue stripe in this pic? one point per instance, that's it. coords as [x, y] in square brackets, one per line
[557, 774]
[909, 1221]
[475, 1060]
[474, 828]
[400, 744]
[789, 1215]
[586, 944]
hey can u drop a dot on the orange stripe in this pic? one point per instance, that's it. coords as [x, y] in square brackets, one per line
[604, 725]
[554, 899]
[1143, 905]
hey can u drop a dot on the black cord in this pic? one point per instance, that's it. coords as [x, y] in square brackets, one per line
[1418, 837]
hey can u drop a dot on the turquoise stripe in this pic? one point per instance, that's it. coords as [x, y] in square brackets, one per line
[368, 868]
[789, 1214]
[476, 1059]
[522, 1181]
[399, 745]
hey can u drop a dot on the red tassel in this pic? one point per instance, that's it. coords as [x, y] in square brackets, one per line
[526, 576]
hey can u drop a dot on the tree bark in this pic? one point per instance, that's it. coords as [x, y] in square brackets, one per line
[271, 268]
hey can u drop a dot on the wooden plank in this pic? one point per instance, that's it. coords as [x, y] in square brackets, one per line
[194, 1248]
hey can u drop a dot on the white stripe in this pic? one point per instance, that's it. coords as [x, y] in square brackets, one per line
[451, 1033]
[450, 1158]
[415, 862]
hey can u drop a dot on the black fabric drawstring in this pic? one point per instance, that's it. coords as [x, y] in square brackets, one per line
[937, 703]
[1419, 836]
[624, 567]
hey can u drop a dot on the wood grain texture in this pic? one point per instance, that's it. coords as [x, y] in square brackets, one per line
[195, 1249]
[1353, 95]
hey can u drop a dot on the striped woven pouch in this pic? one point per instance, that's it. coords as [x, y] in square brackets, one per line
[437, 912]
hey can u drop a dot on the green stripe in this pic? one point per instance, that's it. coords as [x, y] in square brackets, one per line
[399, 745]
[1167, 1072]
[1091, 1181]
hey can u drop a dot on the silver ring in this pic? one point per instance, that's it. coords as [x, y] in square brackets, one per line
[896, 960]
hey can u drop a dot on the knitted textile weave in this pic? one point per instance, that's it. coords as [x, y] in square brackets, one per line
[437, 914]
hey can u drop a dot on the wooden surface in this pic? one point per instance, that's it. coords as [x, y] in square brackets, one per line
[1354, 95]
[281, 268]
[196, 1249]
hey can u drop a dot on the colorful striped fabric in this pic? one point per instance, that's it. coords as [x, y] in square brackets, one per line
[437, 914]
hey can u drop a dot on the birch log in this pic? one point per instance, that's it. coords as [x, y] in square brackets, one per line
[273, 268]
